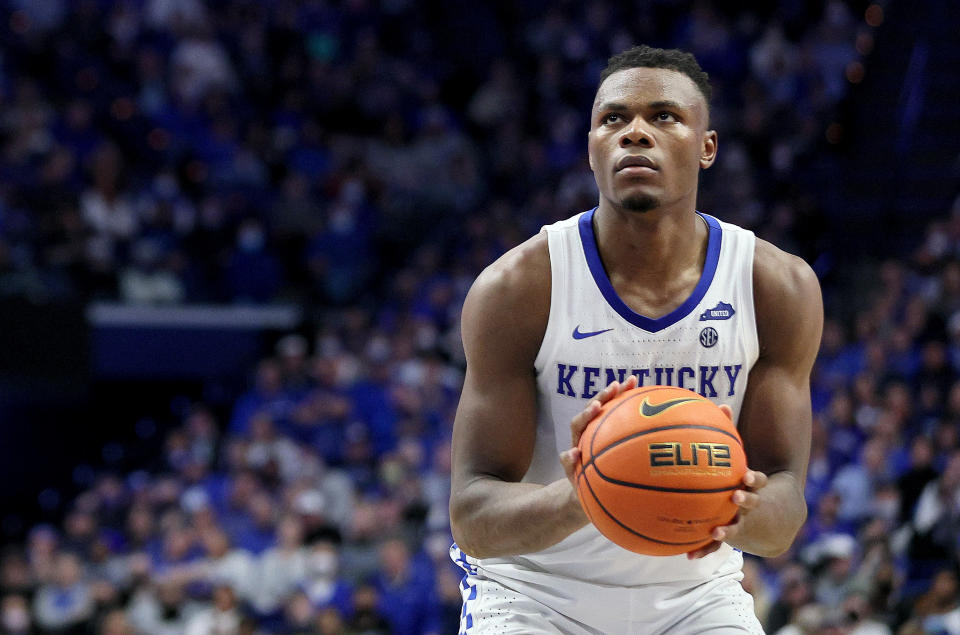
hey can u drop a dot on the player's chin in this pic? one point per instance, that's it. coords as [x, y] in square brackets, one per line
[639, 202]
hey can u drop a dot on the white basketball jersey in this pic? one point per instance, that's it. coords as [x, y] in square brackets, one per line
[708, 344]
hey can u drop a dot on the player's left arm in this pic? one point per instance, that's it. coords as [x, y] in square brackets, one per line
[775, 419]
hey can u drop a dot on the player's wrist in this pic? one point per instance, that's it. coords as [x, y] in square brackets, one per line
[573, 510]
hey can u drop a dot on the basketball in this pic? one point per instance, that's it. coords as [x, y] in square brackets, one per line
[657, 469]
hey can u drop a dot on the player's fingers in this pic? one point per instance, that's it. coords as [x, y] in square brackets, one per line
[613, 389]
[630, 384]
[755, 480]
[616, 388]
[727, 532]
[745, 500]
[727, 410]
[703, 551]
[569, 459]
[579, 422]
[608, 393]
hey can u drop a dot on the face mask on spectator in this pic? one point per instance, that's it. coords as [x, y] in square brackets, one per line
[323, 564]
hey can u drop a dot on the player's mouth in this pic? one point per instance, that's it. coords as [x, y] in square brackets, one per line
[636, 165]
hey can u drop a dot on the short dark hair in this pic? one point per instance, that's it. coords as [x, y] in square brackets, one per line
[644, 56]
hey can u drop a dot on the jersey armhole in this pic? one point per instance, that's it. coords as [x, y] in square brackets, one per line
[557, 253]
[753, 338]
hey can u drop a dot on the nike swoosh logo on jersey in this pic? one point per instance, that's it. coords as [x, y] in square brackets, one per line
[647, 409]
[578, 335]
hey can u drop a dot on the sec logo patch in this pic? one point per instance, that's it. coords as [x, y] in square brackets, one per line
[709, 337]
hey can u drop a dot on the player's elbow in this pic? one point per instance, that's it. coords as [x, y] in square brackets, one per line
[464, 541]
[460, 528]
[469, 542]
[774, 548]
[780, 540]
[790, 534]
[469, 526]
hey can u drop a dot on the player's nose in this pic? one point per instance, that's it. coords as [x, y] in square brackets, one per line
[636, 133]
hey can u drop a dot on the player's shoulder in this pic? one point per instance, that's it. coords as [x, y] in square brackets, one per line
[522, 271]
[787, 300]
[514, 291]
[778, 272]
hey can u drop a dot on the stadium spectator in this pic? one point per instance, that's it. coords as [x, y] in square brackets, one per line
[15, 615]
[160, 609]
[281, 569]
[223, 617]
[937, 610]
[915, 478]
[935, 525]
[66, 602]
[323, 584]
[228, 566]
[856, 482]
[404, 586]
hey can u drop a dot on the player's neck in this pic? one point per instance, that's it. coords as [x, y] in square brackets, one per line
[656, 242]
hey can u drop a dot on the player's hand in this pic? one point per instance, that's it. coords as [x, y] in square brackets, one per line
[746, 499]
[570, 458]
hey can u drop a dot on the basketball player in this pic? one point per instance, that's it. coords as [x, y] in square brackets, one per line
[642, 289]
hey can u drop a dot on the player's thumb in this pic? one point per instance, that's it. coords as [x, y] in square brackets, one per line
[570, 459]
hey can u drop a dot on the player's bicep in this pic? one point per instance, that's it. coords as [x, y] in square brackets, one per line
[775, 420]
[503, 320]
[494, 429]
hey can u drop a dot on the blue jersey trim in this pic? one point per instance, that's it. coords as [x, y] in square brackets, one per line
[589, 241]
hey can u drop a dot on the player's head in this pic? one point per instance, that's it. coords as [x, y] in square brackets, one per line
[671, 59]
[649, 135]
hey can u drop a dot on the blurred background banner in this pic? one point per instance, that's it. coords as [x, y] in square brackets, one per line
[189, 341]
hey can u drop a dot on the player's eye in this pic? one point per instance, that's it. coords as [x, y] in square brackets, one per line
[611, 117]
[665, 116]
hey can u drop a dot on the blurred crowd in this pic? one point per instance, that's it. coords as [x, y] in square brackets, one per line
[170, 151]
[367, 159]
[292, 519]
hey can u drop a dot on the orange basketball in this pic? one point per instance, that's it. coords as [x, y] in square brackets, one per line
[657, 469]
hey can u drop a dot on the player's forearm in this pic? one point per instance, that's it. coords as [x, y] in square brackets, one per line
[770, 529]
[494, 518]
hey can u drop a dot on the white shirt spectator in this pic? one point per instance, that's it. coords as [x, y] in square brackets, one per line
[222, 618]
[214, 622]
[114, 218]
[235, 568]
[942, 623]
[940, 499]
[67, 601]
[147, 614]
[228, 567]
[871, 627]
[280, 572]
[200, 65]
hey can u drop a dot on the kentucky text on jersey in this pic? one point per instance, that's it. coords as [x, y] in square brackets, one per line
[584, 382]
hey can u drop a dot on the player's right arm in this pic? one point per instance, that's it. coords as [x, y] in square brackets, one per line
[503, 322]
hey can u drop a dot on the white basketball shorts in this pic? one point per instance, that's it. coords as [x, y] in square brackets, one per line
[716, 607]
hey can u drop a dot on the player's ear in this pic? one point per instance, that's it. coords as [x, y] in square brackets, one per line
[708, 152]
